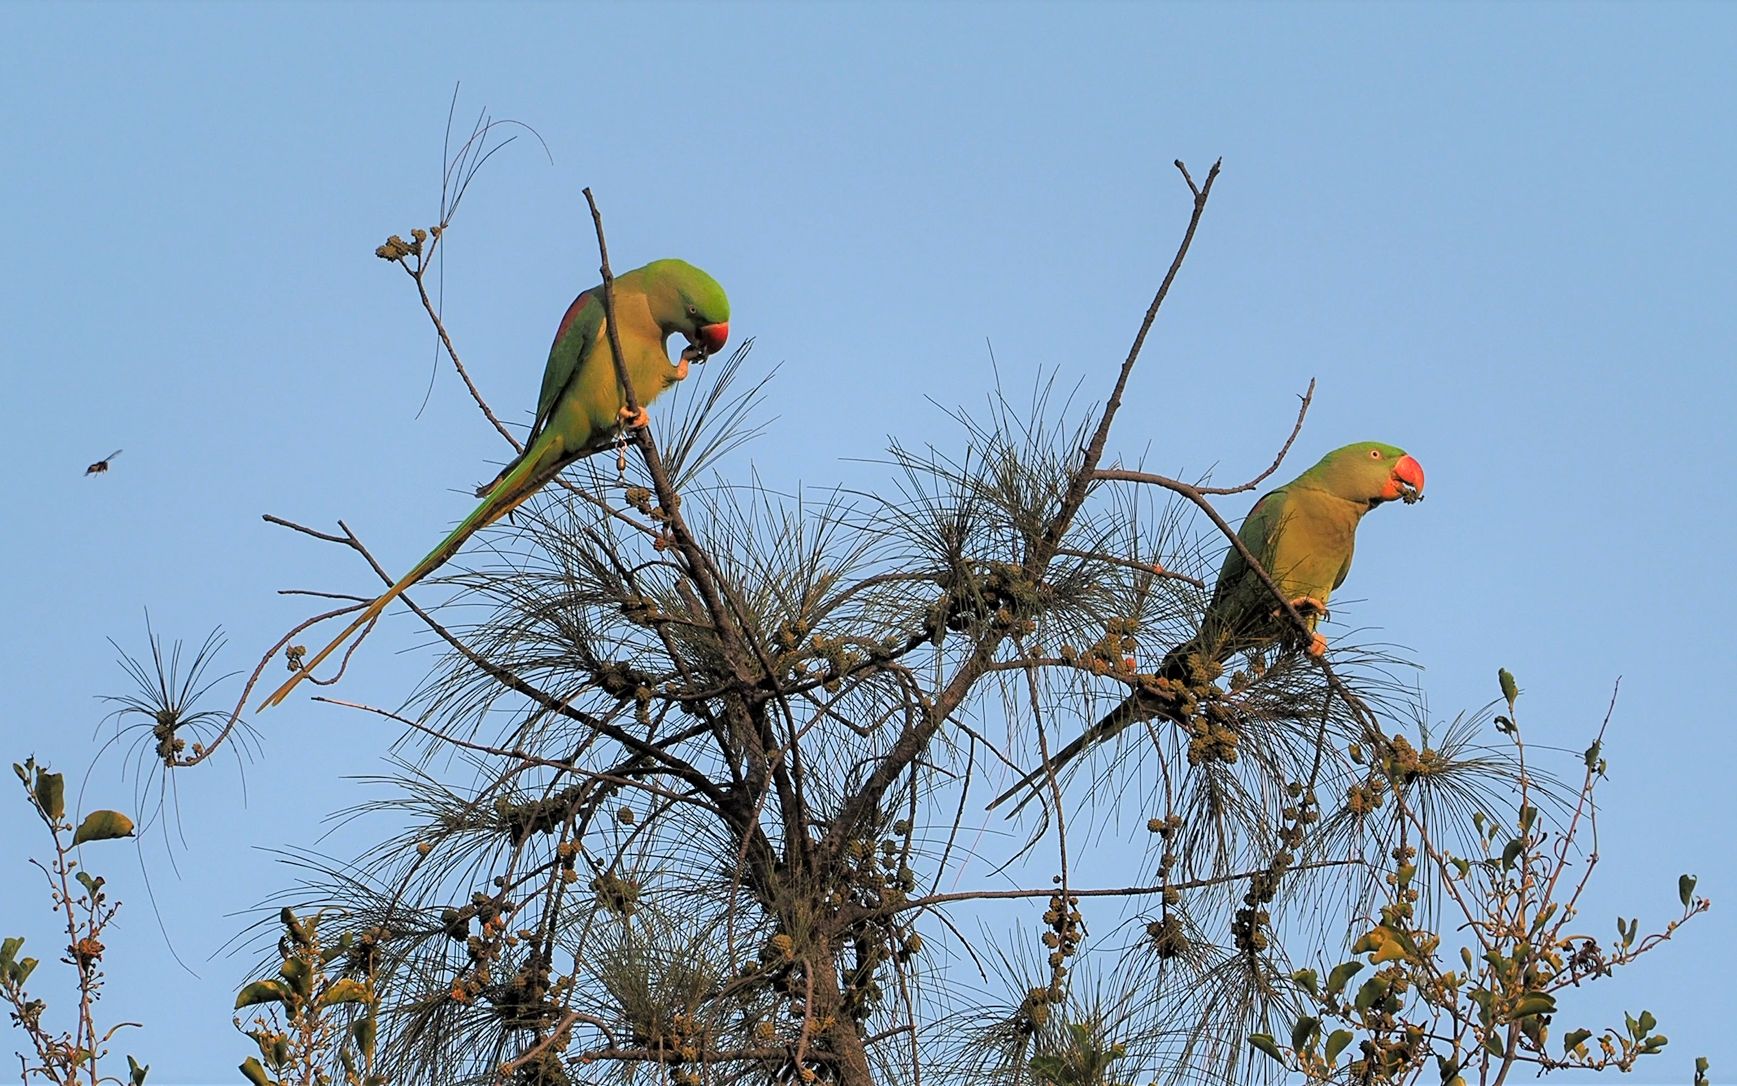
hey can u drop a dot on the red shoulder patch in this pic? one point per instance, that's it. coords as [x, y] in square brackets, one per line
[579, 306]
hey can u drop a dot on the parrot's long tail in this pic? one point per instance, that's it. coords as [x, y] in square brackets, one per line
[1175, 667]
[511, 489]
[1108, 728]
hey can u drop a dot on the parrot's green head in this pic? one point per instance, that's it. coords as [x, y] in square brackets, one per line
[685, 299]
[1369, 472]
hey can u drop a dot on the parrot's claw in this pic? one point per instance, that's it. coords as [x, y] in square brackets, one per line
[692, 353]
[1307, 606]
[1317, 646]
[633, 420]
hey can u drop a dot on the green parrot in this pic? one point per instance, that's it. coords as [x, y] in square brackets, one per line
[1303, 534]
[582, 404]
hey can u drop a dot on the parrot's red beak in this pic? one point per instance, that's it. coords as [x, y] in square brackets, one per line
[713, 336]
[1405, 481]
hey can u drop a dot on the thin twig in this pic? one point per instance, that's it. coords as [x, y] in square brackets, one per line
[452, 352]
[916, 739]
[1116, 891]
[1150, 568]
[1123, 475]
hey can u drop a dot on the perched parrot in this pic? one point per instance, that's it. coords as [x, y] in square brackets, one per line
[582, 404]
[1303, 534]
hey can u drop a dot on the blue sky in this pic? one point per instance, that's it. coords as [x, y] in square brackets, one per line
[1500, 236]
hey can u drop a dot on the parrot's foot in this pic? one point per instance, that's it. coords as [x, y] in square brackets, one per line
[1309, 605]
[1317, 646]
[681, 370]
[633, 420]
[693, 352]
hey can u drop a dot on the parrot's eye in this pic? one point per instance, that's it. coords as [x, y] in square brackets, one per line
[693, 310]
[1374, 454]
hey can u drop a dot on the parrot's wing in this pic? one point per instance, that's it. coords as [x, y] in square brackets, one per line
[1345, 566]
[578, 331]
[1259, 533]
[1240, 600]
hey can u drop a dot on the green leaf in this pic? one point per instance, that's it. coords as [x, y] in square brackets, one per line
[1374, 990]
[1493, 1045]
[23, 969]
[255, 1073]
[1304, 1033]
[300, 976]
[1592, 755]
[9, 950]
[299, 933]
[1543, 918]
[1481, 996]
[1341, 975]
[1385, 946]
[1647, 1022]
[1511, 851]
[1573, 1039]
[1654, 1043]
[135, 1073]
[1510, 689]
[1336, 1044]
[1686, 889]
[51, 794]
[103, 826]
[261, 991]
[344, 991]
[1449, 1068]
[1534, 1003]
[1266, 1044]
[363, 1031]
[1048, 1068]
[91, 885]
[1307, 980]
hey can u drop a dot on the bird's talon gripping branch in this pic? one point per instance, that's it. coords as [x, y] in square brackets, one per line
[1317, 646]
[633, 420]
[1309, 605]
